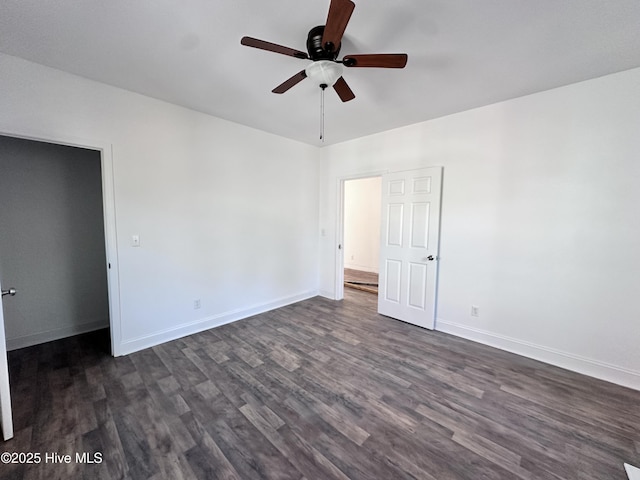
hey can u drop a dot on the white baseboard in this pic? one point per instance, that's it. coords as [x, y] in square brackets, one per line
[327, 294]
[213, 321]
[56, 334]
[362, 268]
[593, 368]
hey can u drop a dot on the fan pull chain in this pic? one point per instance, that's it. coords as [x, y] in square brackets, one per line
[322, 112]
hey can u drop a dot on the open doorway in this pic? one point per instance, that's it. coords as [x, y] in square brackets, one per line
[409, 238]
[52, 242]
[361, 231]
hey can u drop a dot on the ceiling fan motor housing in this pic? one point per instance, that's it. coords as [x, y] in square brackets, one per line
[315, 48]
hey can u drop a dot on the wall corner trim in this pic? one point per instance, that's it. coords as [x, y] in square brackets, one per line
[327, 294]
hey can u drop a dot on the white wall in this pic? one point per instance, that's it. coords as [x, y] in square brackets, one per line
[52, 241]
[539, 220]
[226, 214]
[362, 200]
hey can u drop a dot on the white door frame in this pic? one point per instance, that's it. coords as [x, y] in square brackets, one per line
[339, 244]
[109, 212]
[5, 391]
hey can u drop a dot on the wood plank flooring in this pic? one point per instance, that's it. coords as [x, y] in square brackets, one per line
[365, 281]
[316, 390]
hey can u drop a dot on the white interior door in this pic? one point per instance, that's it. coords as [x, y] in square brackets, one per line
[409, 235]
[5, 393]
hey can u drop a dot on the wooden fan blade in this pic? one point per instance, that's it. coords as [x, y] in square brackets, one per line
[287, 84]
[343, 90]
[272, 47]
[339, 14]
[380, 60]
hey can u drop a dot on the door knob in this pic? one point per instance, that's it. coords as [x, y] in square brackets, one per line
[429, 258]
[12, 292]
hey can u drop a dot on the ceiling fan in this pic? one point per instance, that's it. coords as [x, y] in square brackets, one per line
[323, 47]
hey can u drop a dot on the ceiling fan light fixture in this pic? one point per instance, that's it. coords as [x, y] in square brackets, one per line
[324, 72]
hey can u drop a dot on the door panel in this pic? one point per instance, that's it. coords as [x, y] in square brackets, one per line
[420, 225]
[396, 187]
[417, 285]
[422, 185]
[409, 245]
[394, 225]
[393, 276]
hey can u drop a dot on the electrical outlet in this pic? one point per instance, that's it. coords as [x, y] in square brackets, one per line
[475, 311]
[196, 304]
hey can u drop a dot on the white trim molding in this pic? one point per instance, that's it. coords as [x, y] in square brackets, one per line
[213, 321]
[56, 334]
[593, 368]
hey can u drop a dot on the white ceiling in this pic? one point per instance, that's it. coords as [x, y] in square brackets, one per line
[462, 54]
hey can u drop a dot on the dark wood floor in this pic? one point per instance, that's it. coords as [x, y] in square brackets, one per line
[316, 390]
[365, 281]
